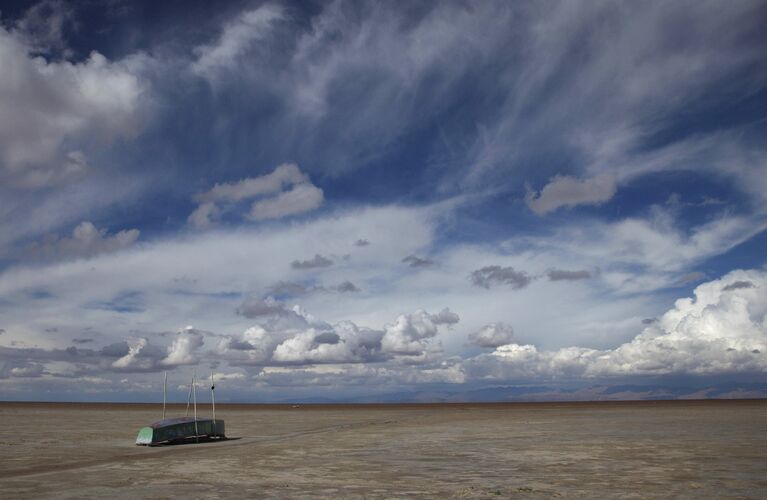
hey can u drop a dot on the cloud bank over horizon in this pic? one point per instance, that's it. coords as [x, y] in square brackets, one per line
[355, 199]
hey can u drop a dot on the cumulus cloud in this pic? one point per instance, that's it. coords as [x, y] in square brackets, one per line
[184, 347]
[715, 332]
[410, 334]
[307, 343]
[313, 263]
[496, 275]
[445, 317]
[86, 241]
[565, 191]
[284, 192]
[50, 105]
[310, 341]
[417, 262]
[493, 335]
[141, 356]
[313, 347]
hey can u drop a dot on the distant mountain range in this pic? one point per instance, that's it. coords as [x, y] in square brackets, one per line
[549, 393]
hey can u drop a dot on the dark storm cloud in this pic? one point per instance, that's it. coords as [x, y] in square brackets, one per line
[38, 354]
[562, 275]
[256, 308]
[287, 288]
[327, 338]
[496, 275]
[316, 262]
[737, 285]
[21, 369]
[116, 350]
[417, 262]
[240, 345]
[284, 289]
[346, 287]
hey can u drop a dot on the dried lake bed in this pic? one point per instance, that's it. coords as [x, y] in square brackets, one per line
[683, 449]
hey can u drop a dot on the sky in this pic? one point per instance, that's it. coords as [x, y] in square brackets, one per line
[361, 201]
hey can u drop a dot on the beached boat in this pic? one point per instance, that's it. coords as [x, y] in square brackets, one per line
[173, 430]
[186, 428]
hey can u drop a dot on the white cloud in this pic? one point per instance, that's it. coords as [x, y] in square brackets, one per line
[493, 335]
[564, 191]
[141, 356]
[720, 330]
[489, 276]
[183, 351]
[304, 348]
[656, 242]
[86, 241]
[204, 277]
[301, 198]
[311, 341]
[637, 64]
[238, 36]
[204, 215]
[285, 175]
[49, 104]
[410, 334]
[284, 192]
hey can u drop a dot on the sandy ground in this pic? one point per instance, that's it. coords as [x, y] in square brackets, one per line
[634, 450]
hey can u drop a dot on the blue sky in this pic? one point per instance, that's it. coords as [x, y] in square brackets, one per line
[354, 199]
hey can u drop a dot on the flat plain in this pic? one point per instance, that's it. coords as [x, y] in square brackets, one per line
[682, 449]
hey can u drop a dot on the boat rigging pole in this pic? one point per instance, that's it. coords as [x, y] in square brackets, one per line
[164, 394]
[194, 397]
[189, 398]
[213, 400]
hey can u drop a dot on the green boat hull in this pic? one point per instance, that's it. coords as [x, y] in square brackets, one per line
[180, 429]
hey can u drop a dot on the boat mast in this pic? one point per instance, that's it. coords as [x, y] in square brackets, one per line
[213, 400]
[164, 394]
[194, 398]
[189, 398]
